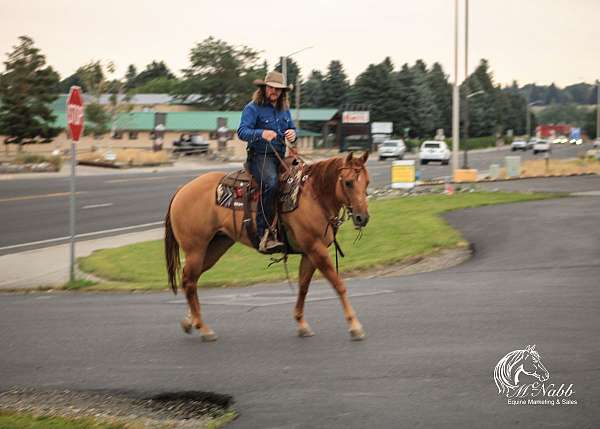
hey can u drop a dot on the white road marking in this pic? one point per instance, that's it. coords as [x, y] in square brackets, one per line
[86, 235]
[95, 206]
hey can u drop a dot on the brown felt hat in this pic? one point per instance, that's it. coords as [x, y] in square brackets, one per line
[275, 80]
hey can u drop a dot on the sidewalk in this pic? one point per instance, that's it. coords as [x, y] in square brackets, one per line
[49, 266]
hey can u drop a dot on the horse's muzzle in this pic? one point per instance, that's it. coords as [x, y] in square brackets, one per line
[360, 219]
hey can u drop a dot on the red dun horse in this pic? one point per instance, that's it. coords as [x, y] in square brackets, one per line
[205, 231]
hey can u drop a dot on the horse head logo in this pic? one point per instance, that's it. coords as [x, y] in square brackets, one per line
[514, 365]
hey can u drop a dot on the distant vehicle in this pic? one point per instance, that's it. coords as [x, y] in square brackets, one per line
[519, 145]
[596, 144]
[392, 149]
[190, 144]
[560, 140]
[532, 141]
[432, 150]
[576, 141]
[541, 146]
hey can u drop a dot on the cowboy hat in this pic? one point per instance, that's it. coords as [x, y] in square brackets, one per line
[275, 80]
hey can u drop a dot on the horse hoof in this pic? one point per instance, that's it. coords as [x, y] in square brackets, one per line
[210, 337]
[357, 334]
[186, 325]
[305, 332]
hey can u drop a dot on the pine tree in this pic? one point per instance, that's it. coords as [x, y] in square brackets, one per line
[336, 87]
[27, 88]
[442, 94]
[130, 77]
[312, 90]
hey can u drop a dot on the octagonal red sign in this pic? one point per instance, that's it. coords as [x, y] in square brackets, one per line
[75, 113]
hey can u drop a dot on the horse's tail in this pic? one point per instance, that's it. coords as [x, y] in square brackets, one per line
[171, 251]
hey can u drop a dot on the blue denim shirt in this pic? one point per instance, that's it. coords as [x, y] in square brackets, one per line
[257, 118]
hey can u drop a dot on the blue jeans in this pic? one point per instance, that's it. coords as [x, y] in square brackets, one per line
[264, 169]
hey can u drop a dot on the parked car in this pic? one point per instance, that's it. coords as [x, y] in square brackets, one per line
[576, 141]
[541, 146]
[190, 144]
[560, 140]
[531, 143]
[519, 145]
[432, 150]
[391, 149]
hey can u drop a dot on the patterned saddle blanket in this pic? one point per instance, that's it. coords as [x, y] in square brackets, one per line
[239, 187]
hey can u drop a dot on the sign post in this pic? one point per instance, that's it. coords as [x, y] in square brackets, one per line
[75, 124]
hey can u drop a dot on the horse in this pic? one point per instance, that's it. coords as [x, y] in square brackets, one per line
[204, 230]
[515, 363]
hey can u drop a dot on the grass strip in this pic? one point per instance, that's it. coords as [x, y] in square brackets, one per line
[11, 420]
[399, 229]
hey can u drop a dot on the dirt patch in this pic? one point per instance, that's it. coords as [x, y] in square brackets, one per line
[177, 410]
[124, 158]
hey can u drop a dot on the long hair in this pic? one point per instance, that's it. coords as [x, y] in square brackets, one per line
[260, 97]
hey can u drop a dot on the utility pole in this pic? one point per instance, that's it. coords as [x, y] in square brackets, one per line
[598, 109]
[466, 108]
[455, 96]
[284, 69]
[297, 119]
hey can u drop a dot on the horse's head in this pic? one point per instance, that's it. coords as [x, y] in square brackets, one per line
[533, 366]
[354, 179]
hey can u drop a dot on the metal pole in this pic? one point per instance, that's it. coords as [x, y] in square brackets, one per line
[297, 120]
[466, 108]
[528, 120]
[284, 69]
[455, 101]
[72, 214]
[598, 109]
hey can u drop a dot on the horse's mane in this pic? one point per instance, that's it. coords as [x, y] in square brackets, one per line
[324, 176]
[504, 369]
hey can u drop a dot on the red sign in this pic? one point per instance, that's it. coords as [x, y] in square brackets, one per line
[75, 113]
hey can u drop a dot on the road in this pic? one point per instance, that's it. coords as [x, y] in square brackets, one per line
[428, 361]
[34, 210]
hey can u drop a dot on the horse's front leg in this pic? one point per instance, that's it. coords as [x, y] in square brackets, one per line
[307, 270]
[319, 256]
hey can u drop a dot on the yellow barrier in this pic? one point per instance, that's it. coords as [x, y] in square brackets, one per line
[465, 175]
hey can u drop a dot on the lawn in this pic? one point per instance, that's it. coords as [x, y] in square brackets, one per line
[9, 420]
[399, 229]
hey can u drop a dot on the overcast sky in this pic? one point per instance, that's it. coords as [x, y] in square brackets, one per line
[540, 41]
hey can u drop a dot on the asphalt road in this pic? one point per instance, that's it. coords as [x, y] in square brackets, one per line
[428, 361]
[33, 210]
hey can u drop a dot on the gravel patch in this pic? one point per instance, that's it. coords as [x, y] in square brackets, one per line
[177, 410]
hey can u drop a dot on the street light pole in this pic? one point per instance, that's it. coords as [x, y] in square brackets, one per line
[455, 100]
[533, 103]
[598, 109]
[285, 82]
[466, 108]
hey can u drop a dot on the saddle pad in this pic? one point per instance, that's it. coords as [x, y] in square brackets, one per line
[232, 188]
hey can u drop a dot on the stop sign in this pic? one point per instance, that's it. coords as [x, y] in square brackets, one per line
[75, 113]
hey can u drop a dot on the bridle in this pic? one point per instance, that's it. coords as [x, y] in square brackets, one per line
[347, 206]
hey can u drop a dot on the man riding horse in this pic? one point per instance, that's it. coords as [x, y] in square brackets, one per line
[266, 125]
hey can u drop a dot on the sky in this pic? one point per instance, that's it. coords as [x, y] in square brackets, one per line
[530, 41]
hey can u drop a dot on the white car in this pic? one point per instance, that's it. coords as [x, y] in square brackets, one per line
[392, 149]
[576, 141]
[596, 144]
[518, 145]
[432, 150]
[541, 146]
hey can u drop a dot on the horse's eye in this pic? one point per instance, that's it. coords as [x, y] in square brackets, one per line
[349, 183]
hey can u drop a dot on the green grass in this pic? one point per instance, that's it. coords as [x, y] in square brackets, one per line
[399, 229]
[9, 420]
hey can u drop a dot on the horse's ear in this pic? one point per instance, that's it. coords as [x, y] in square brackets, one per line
[528, 348]
[348, 159]
[532, 348]
[364, 157]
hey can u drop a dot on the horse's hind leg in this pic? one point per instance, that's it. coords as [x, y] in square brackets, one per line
[307, 270]
[321, 259]
[193, 267]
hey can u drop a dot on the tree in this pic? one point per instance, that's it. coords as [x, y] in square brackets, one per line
[441, 90]
[222, 74]
[27, 88]
[312, 90]
[378, 88]
[154, 70]
[336, 87]
[130, 77]
[484, 116]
